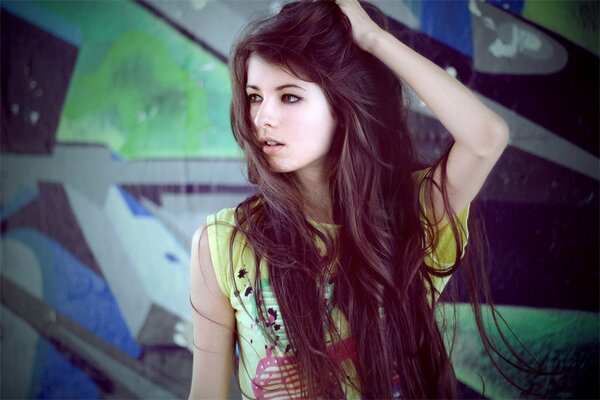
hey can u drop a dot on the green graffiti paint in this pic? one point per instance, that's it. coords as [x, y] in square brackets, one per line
[566, 341]
[141, 88]
[576, 20]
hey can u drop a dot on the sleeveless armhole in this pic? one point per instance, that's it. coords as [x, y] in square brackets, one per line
[220, 228]
[444, 254]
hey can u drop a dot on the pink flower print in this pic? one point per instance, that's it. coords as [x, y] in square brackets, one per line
[272, 316]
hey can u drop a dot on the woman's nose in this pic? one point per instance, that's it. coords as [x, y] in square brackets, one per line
[265, 115]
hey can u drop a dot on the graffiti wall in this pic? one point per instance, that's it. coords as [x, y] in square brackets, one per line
[116, 145]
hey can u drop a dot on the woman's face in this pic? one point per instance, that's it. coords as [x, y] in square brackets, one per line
[292, 117]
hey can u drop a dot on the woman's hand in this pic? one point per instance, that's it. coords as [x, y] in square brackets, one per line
[364, 29]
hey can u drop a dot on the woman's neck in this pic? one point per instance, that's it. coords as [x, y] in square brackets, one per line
[318, 208]
[317, 198]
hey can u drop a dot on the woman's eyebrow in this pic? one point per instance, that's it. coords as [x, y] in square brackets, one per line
[278, 87]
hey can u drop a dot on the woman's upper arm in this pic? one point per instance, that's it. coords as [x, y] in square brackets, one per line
[213, 321]
[466, 173]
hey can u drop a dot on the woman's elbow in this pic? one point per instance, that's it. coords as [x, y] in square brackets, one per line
[496, 139]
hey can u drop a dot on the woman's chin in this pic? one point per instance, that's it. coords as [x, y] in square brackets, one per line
[278, 169]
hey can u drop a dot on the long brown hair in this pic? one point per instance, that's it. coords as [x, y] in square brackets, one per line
[375, 258]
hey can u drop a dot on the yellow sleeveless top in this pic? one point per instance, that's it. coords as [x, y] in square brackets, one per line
[266, 371]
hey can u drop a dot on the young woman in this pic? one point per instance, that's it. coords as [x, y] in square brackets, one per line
[327, 278]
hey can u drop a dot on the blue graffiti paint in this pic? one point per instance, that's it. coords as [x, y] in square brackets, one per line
[172, 258]
[135, 206]
[450, 23]
[512, 6]
[74, 290]
[60, 379]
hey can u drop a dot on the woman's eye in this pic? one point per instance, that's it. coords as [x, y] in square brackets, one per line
[254, 98]
[290, 98]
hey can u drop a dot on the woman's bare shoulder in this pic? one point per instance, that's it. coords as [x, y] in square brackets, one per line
[206, 294]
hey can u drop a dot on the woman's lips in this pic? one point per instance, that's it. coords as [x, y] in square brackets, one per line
[272, 149]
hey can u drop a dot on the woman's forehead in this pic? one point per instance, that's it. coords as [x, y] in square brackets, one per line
[264, 75]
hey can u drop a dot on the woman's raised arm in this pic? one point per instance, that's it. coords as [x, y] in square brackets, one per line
[480, 135]
[214, 321]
